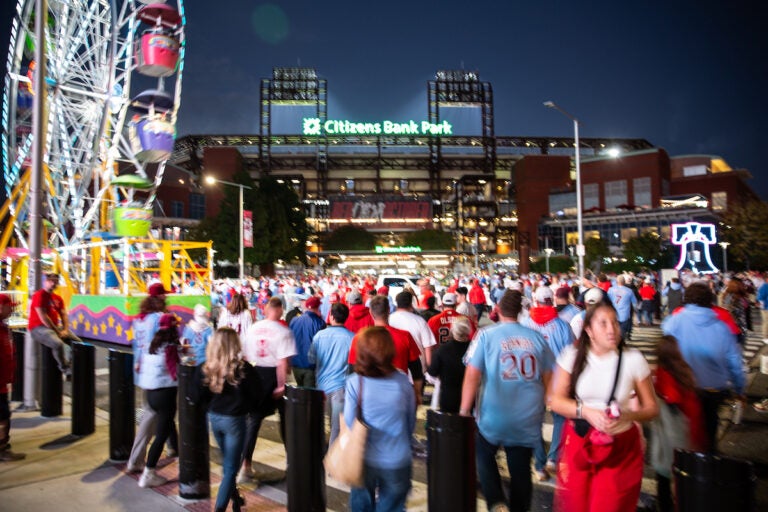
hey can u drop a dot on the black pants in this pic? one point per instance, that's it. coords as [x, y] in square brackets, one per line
[664, 494]
[710, 404]
[265, 407]
[163, 402]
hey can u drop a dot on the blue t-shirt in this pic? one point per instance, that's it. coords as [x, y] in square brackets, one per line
[512, 360]
[198, 341]
[389, 410]
[622, 299]
[329, 353]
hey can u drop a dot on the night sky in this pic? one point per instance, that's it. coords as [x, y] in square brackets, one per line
[688, 76]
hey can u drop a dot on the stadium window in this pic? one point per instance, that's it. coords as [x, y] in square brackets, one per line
[591, 196]
[178, 209]
[615, 194]
[641, 188]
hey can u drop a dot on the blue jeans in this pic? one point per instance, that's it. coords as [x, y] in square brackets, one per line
[334, 403]
[229, 432]
[540, 458]
[393, 486]
[519, 464]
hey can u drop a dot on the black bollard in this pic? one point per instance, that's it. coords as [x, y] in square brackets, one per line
[51, 386]
[451, 459]
[83, 389]
[122, 407]
[194, 464]
[305, 446]
[17, 393]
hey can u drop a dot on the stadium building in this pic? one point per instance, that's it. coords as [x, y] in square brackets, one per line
[503, 198]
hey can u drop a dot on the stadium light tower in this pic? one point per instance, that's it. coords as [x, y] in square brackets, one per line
[580, 250]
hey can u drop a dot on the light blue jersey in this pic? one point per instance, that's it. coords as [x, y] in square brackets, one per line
[623, 299]
[512, 360]
[329, 353]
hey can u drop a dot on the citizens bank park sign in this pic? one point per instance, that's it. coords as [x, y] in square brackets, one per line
[375, 214]
[315, 126]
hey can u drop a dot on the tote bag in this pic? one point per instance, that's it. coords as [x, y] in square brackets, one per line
[345, 458]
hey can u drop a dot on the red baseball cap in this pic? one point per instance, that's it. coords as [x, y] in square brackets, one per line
[312, 303]
[157, 289]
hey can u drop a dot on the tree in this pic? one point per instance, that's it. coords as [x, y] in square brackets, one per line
[596, 250]
[350, 238]
[430, 240]
[744, 227]
[644, 250]
[279, 227]
[557, 264]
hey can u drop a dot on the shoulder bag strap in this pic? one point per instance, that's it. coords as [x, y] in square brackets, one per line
[359, 410]
[616, 379]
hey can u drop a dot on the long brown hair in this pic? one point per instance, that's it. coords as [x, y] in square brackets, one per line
[151, 304]
[238, 304]
[584, 344]
[671, 359]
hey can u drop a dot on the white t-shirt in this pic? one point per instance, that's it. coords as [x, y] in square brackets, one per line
[240, 322]
[596, 381]
[577, 324]
[267, 342]
[415, 325]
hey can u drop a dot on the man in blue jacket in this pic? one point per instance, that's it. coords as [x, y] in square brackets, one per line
[304, 328]
[624, 300]
[710, 349]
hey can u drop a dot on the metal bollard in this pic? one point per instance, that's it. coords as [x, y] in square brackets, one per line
[305, 446]
[17, 393]
[194, 463]
[83, 389]
[122, 407]
[451, 459]
[51, 388]
[31, 373]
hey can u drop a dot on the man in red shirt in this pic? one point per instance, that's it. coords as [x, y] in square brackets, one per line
[477, 298]
[406, 350]
[440, 324]
[43, 326]
[7, 366]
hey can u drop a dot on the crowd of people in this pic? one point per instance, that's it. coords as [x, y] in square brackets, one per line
[549, 343]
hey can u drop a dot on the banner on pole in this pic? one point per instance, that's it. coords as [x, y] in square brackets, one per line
[247, 228]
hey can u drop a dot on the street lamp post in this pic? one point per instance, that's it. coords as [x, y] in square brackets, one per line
[724, 246]
[212, 181]
[580, 250]
[548, 252]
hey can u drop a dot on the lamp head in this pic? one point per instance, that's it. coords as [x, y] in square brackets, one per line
[210, 180]
[550, 104]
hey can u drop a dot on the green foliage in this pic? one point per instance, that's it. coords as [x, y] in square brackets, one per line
[279, 227]
[744, 227]
[557, 264]
[430, 240]
[596, 250]
[350, 238]
[644, 250]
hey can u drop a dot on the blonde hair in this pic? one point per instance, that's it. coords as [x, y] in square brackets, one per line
[222, 359]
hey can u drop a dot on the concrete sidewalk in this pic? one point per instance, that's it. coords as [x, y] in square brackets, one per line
[61, 472]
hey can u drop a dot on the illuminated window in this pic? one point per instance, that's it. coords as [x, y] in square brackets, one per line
[641, 188]
[591, 197]
[719, 201]
[615, 193]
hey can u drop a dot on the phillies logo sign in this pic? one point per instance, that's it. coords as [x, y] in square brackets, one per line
[695, 239]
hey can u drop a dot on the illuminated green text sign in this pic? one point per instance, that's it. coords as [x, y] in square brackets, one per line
[386, 250]
[315, 126]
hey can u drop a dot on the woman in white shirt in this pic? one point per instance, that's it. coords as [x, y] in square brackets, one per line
[601, 466]
[236, 315]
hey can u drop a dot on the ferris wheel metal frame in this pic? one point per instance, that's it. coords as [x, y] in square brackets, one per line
[91, 48]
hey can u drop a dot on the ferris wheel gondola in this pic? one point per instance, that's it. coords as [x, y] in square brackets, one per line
[96, 127]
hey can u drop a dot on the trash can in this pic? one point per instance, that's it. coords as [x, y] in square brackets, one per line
[451, 459]
[706, 482]
[305, 446]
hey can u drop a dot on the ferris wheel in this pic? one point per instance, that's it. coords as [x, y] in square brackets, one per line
[97, 128]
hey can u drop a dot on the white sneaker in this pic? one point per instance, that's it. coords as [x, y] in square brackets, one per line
[765, 340]
[245, 476]
[149, 478]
